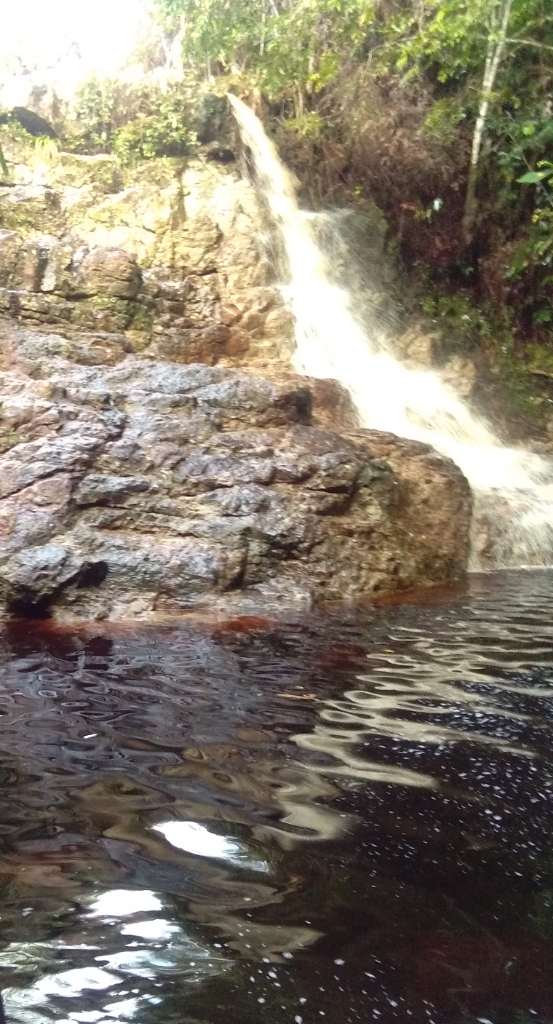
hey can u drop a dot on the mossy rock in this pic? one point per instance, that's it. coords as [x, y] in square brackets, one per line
[136, 219]
[103, 172]
[24, 305]
[540, 360]
[10, 245]
[142, 320]
[160, 172]
[103, 313]
[18, 146]
[9, 437]
[137, 340]
[32, 210]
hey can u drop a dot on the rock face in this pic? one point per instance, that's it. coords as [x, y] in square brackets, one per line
[142, 471]
[176, 254]
[144, 487]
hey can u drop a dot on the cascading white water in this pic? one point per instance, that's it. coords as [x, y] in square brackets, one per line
[513, 490]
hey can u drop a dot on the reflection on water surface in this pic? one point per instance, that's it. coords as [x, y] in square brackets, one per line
[342, 817]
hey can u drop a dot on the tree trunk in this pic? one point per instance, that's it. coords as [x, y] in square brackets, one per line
[496, 48]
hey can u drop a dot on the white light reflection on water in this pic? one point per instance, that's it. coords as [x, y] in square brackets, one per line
[185, 958]
[194, 838]
[416, 713]
[156, 930]
[123, 902]
[20, 1003]
[434, 690]
[123, 1009]
[139, 952]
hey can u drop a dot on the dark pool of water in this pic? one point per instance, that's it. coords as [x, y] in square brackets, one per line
[338, 818]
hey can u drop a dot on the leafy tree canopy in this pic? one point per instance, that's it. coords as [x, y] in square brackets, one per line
[287, 44]
[304, 41]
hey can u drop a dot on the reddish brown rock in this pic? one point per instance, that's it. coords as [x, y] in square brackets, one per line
[435, 504]
[108, 271]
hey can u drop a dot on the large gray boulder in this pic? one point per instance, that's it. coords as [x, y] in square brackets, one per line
[147, 488]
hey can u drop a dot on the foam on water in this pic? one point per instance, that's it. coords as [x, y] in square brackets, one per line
[513, 489]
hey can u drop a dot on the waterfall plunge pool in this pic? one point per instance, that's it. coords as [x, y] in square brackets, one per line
[337, 817]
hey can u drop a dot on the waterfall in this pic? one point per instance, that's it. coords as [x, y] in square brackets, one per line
[513, 489]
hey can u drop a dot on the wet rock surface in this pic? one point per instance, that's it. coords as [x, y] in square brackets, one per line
[143, 472]
[131, 487]
[175, 254]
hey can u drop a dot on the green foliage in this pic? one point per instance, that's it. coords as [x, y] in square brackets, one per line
[457, 314]
[532, 259]
[161, 133]
[289, 46]
[135, 122]
[540, 359]
[309, 126]
[20, 145]
[444, 119]
[9, 438]
[47, 150]
[535, 248]
[545, 174]
[448, 39]
[94, 107]
[15, 132]
[449, 44]
[3, 164]
[519, 138]
[518, 379]
[467, 327]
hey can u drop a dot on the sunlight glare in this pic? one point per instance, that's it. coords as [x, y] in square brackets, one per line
[123, 902]
[194, 838]
[49, 37]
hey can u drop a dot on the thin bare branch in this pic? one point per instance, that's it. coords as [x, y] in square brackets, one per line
[530, 42]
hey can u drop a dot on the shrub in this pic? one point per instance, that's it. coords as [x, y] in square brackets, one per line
[136, 122]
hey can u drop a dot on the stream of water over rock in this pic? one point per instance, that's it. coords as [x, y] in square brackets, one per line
[338, 818]
[513, 490]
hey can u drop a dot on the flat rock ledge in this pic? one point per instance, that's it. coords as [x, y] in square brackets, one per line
[147, 489]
